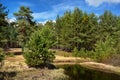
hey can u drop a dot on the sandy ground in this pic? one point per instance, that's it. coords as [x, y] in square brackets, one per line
[18, 63]
[101, 67]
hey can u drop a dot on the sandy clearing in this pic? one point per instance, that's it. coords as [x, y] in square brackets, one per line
[61, 60]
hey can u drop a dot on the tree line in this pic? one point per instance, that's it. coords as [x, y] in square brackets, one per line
[88, 35]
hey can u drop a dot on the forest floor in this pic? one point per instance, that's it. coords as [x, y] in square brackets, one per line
[17, 63]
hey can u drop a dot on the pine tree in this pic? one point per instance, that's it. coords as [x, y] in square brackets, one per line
[36, 51]
[3, 26]
[25, 24]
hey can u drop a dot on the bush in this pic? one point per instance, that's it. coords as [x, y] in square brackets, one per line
[75, 52]
[36, 51]
[104, 49]
[83, 53]
[2, 56]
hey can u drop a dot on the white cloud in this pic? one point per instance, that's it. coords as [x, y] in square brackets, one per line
[56, 9]
[97, 3]
[63, 7]
[11, 20]
[44, 15]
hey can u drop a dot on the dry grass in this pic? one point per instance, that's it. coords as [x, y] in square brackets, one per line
[62, 53]
[58, 59]
[62, 59]
[18, 62]
[42, 74]
[61, 56]
[19, 58]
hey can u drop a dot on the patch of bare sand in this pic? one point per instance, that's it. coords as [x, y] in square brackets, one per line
[101, 67]
[63, 59]
[14, 50]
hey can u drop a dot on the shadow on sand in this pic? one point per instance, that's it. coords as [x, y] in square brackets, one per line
[7, 75]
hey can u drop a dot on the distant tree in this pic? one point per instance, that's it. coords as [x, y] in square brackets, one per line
[117, 34]
[58, 28]
[50, 24]
[3, 26]
[108, 23]
[25, 24]
[39, 26]
[13, 33]
[66, 31]
[89, 29]
[3, 16]
[24, 13]
[76, 30]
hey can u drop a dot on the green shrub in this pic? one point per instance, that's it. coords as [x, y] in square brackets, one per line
[36, 51]
[2, 56]
[103, 49]
[75, 52]
[82, 53]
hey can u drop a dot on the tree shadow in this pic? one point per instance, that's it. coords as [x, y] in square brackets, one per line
[43, 66]
[7, 75]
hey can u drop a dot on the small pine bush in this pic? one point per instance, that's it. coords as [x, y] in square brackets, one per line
[36, 51]
[103, 49]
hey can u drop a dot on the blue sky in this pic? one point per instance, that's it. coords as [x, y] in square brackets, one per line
[44, 10]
